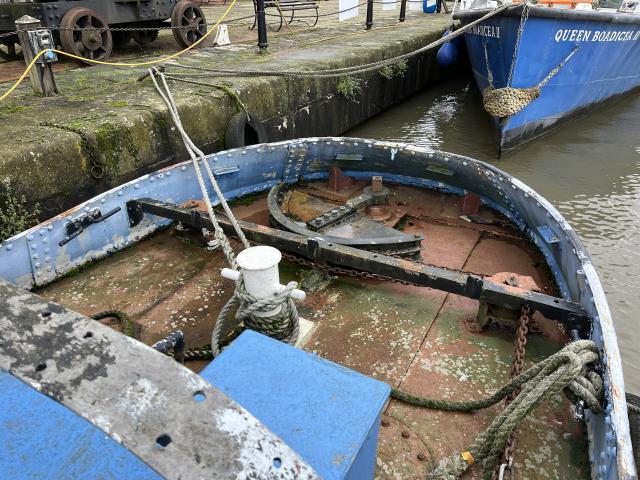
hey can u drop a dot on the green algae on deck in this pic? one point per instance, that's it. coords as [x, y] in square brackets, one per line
[374, 330]
[457, 364]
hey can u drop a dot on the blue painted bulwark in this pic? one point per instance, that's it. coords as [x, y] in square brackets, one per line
[606, 62]
[328, 414]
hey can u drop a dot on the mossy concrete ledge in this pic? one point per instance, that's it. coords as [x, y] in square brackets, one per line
[107, 128]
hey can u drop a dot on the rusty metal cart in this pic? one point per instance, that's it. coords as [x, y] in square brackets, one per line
[92, 28]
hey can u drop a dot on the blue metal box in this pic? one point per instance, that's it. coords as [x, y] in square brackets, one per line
[330, 415]
[327, 413]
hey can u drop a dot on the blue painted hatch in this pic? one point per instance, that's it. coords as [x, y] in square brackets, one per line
[328, 414]
[41, 439]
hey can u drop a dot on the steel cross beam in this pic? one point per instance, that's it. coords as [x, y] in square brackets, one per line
[570, 314]
[172, 419]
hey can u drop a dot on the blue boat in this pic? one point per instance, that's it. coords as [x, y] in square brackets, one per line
[419, 268]
[563, 61]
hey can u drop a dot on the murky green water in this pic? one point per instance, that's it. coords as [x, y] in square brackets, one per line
[590, 170]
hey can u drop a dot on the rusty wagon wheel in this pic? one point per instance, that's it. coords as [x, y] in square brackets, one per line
[145, 37]
[86, 34]
[188, 22]
[9, 48]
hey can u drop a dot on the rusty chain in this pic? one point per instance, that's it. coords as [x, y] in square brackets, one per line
[345, 272]
[519, 353]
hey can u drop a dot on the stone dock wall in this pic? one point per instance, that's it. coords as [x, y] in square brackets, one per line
[106, 124]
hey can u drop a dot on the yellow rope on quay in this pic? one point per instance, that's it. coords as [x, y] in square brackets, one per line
[287, 24]
[117, 64]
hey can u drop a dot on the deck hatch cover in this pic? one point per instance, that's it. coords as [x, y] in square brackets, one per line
[141, 398]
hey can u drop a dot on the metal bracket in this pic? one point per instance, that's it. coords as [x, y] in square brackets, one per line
[548, 235]
[78, 225]
[42, 39]
[397, 244]
[168, 416]
[295, 159]
[339, 214]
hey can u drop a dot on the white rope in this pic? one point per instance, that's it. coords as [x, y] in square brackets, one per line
[198, 156]
[284, 325]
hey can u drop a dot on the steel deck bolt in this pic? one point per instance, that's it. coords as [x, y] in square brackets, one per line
[421, 456]
[385, 423]
[405, 434]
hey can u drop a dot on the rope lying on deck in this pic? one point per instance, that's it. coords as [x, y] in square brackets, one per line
[283, 326]
[125, 322]
[565, 370]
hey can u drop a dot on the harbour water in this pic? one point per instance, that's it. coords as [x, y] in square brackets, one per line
[590, 170]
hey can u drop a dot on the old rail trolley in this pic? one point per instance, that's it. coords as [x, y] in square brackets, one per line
[92, 28]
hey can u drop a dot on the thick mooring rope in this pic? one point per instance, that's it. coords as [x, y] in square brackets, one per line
[565, 370]
[284, 325]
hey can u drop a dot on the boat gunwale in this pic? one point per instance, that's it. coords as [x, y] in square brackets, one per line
[599, 16]
[598, 304]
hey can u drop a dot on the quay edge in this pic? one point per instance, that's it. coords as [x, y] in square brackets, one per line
[105, 118]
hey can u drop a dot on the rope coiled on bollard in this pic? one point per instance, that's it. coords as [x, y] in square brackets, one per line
[565, 370]
[283, 326]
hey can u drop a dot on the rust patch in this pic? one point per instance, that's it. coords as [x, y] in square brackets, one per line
[304, 207]
[471, 204]
[322, 190]
[493, 255]
[397, 213]
[509, 279]
[337, 180]
[445, 246]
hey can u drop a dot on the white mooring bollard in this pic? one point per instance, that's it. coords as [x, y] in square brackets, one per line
[259, 267]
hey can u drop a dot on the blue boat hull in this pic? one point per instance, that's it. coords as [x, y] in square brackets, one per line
[605, 64]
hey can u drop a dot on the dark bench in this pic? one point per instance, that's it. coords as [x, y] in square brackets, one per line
[289, 8]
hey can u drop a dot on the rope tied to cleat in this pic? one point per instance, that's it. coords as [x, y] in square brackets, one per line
[567, 370]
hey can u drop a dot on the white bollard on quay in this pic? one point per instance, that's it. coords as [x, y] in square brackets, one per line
[259, 267]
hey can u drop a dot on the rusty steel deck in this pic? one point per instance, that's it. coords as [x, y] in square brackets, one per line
[411, 337]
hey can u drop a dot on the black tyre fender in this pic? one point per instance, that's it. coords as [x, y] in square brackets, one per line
[634, 426]
[243, 130]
